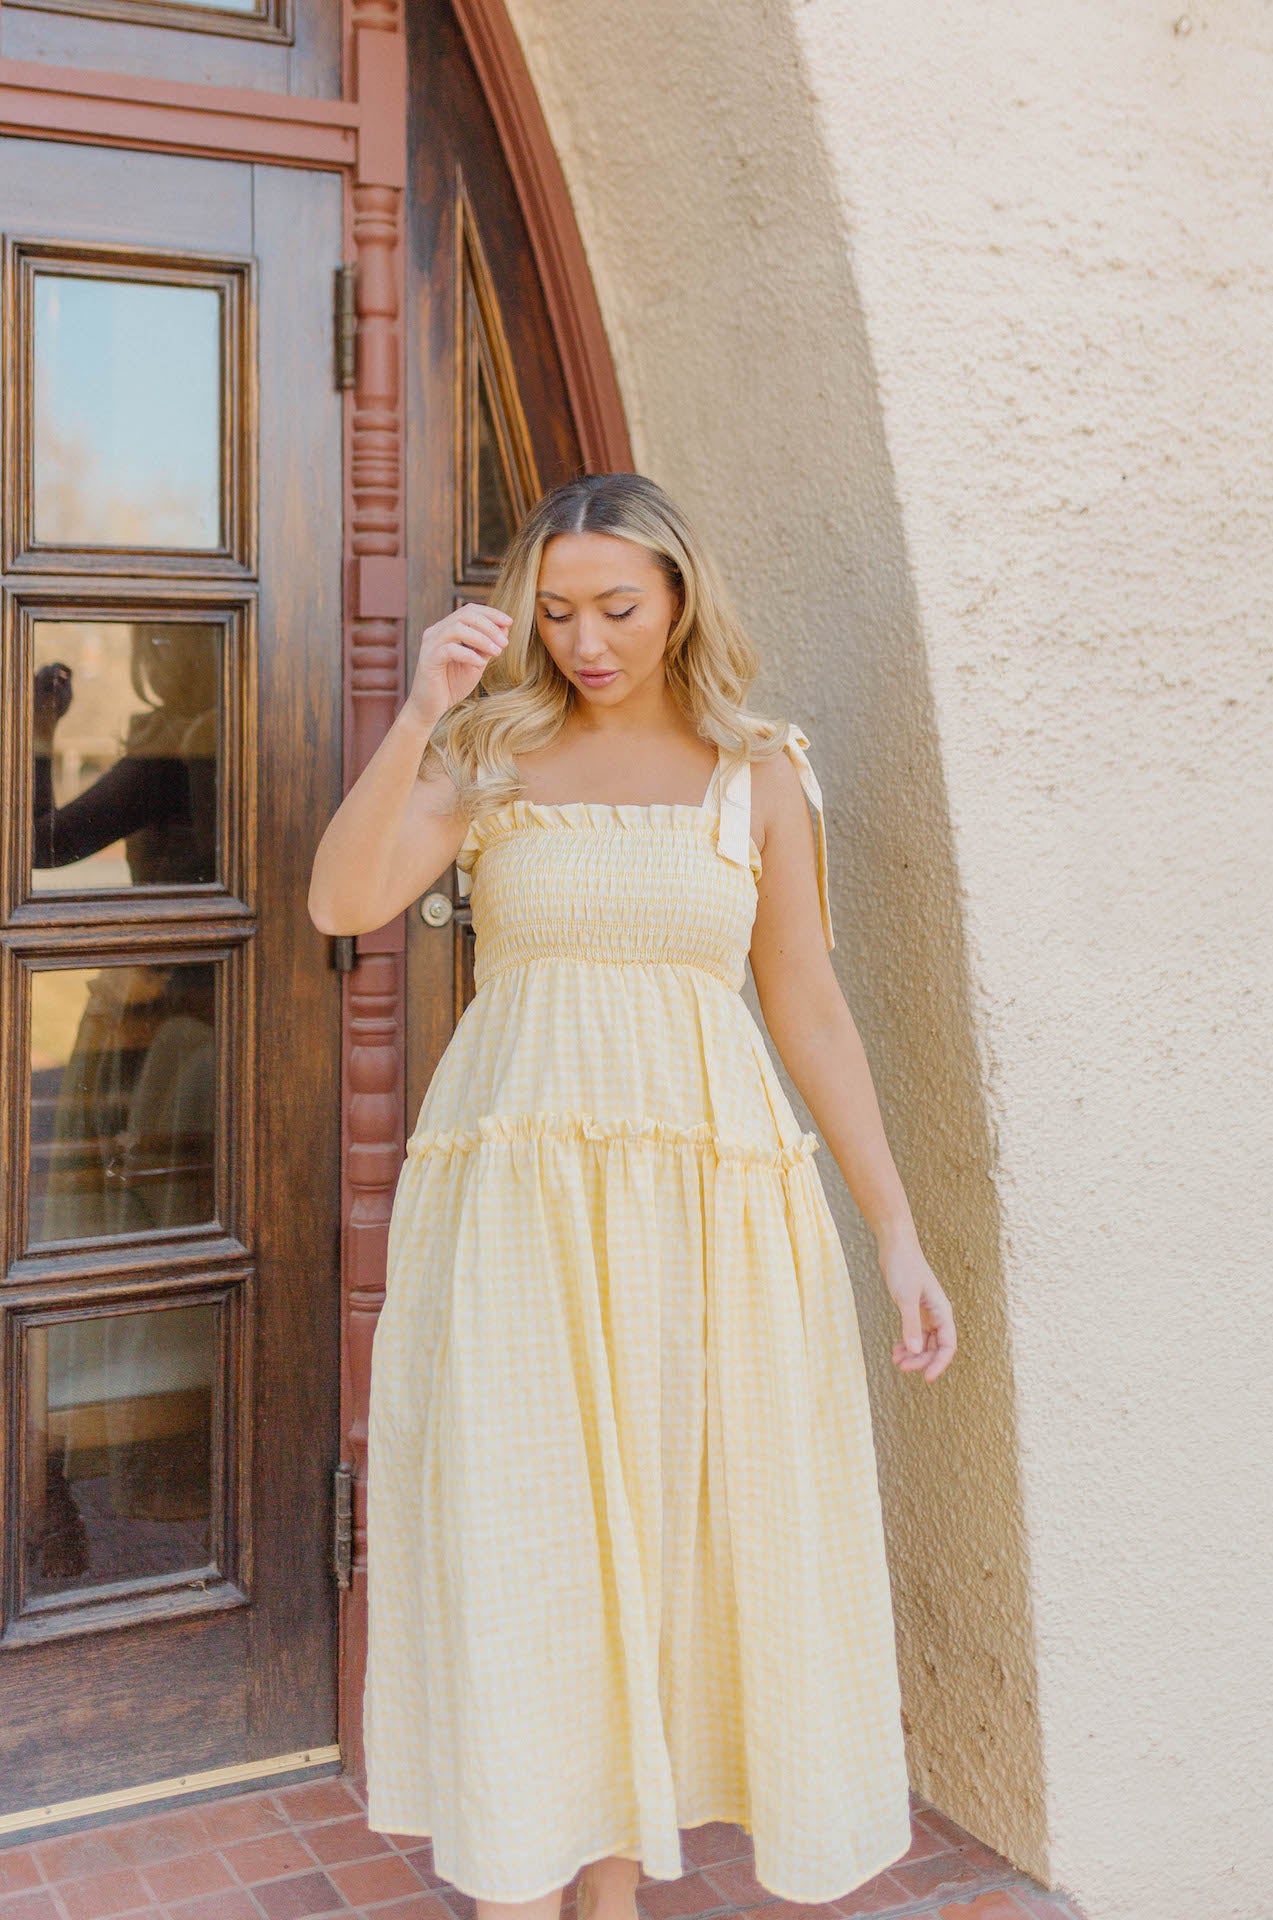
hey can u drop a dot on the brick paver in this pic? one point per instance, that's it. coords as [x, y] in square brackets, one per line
[306, 1852]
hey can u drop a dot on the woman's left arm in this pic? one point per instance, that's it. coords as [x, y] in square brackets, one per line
[810, 1024]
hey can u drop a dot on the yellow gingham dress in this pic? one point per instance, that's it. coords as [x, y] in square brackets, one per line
[626, 1561]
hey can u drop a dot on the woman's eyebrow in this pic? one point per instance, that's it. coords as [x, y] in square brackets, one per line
[546, 595]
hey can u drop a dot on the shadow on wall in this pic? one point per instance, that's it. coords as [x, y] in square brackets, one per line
[715, 233]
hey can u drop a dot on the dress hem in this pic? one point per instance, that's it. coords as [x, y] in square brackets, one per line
[623, 1849]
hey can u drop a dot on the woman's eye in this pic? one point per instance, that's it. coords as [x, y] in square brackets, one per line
[556, 618]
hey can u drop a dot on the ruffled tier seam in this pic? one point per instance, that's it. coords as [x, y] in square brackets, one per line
[585, 1129]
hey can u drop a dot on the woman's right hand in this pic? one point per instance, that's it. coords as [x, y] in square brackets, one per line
[396, 829]
[53, 694]
[454, 654]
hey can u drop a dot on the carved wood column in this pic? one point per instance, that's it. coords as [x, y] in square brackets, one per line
[375, 651]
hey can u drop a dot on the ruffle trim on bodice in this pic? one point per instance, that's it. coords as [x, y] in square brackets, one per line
[620, 815]
[605, 813]
[585, 1127]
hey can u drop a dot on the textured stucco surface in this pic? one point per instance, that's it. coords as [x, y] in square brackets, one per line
[952, 328]
[1064, 249]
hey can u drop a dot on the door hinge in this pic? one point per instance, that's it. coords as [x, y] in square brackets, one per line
[346, 327]
[343, 1524]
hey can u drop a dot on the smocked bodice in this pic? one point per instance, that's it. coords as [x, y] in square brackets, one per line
[597, 882]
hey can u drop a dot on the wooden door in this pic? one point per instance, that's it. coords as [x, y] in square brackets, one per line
[489, 422]
[169, 1018]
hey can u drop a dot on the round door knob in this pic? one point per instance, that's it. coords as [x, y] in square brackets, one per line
[435, 909]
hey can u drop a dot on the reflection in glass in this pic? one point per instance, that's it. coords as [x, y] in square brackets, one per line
[127, 426]
[495, 516]
[119, 1447]
[125, 735]
[123, 1099]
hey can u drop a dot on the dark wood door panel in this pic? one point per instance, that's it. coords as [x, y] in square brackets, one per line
[451, 137]
[170, 1400]
[213, 50]
[297, 1411]
[489, 423]
[64, 192]
[200, 1719]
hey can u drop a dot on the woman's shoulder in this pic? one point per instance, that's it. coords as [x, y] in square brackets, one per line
[781, 768]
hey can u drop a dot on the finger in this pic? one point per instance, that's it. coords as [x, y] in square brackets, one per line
[911, 1360]
[912, 1327]
[492, 642]
[945, 1350]
[943, 1318]
[477, 619]
[478, 640]
[906, 1360]
[492, 617]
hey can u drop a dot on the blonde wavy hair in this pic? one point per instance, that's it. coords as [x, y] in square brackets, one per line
[523, 699]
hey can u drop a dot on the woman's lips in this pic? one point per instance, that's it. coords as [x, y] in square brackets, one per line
[595, 679]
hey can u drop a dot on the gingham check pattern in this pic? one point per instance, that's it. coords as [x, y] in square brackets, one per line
[625, 1553]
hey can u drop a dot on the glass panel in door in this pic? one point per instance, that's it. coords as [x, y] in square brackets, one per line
[123, 1100]
[131, 411]
[126, 730]
[126, 430]
[119, 1483]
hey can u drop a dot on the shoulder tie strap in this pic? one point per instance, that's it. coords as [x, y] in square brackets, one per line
[464, 863]
[733, 833]
[733, 839]
[796, 744]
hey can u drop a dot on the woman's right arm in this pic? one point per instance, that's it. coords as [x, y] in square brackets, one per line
[395, 832]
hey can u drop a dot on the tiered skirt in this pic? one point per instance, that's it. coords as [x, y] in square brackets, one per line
[626, 1558]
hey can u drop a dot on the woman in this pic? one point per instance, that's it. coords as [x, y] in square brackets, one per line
[626, 1560]
[128, 1127]
[122, 1125]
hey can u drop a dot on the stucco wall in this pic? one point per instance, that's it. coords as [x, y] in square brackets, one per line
[951, 326]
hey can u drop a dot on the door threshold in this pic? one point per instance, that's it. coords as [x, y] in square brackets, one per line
[211, 1783]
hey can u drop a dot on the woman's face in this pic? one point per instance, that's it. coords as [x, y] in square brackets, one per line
[604, 610]
[180, 663]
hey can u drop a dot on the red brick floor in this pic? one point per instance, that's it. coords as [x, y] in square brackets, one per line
[294, 1853]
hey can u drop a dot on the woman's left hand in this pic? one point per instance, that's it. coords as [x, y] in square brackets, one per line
[928, 1343]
